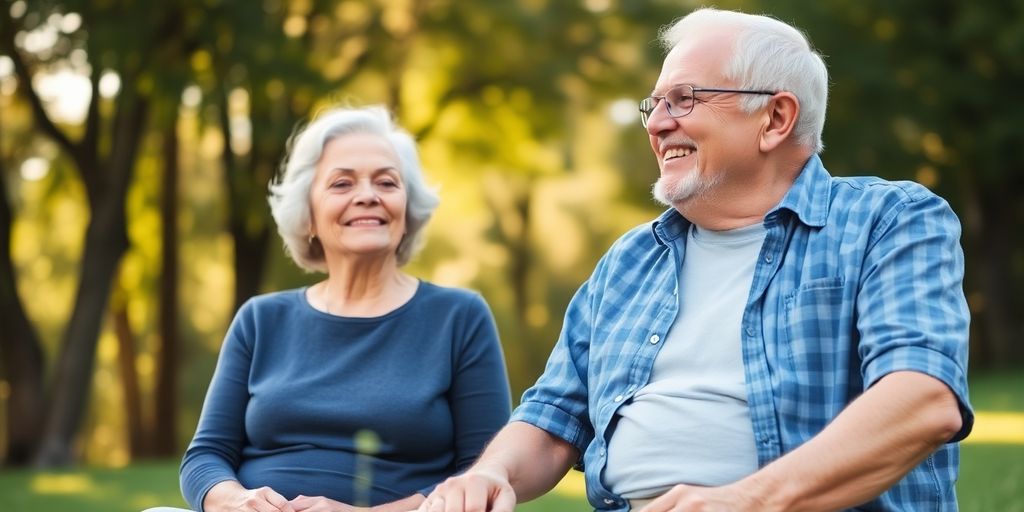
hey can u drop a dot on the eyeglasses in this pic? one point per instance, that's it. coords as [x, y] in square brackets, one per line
[679, 100]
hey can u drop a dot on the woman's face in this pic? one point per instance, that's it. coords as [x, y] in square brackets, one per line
[358, 198]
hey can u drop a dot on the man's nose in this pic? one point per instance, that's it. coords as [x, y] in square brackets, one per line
[660, 120]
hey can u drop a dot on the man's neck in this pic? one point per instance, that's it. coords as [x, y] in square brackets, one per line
[745, 201]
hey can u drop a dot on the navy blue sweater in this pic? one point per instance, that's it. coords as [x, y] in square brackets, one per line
[361, 410]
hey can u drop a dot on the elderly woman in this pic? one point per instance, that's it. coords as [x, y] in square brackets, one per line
[369, 387]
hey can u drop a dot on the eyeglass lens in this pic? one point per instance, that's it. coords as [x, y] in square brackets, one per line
[678, 101]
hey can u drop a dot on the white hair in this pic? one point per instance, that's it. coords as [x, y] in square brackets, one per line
[289, 191]
[768, 55]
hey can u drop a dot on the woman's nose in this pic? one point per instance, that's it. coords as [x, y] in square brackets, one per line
[365, 194]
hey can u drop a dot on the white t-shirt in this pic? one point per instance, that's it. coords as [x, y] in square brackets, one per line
[690, 424]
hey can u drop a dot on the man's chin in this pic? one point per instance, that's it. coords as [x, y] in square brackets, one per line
[672, 194]
[658, 193]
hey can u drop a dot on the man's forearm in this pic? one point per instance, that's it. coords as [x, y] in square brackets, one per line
[873, 443]
[532, 460]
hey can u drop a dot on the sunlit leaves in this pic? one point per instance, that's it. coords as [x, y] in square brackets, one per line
[525, 114]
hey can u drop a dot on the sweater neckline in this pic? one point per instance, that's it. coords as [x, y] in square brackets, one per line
[304, 300]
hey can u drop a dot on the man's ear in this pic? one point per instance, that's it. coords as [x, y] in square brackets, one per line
[782, 112]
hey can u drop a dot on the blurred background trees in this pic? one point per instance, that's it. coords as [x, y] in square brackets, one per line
[137, 139]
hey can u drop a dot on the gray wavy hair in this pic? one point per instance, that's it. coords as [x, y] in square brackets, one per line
[769, 55]
[289, 191]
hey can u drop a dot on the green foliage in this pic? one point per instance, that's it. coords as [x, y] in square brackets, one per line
[511, 102]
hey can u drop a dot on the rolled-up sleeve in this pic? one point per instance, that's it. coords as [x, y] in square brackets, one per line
[912, 313]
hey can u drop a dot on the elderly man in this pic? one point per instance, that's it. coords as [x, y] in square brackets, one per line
[778, 339]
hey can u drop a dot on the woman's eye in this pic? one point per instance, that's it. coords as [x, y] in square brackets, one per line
[387, 184]
[341, 184]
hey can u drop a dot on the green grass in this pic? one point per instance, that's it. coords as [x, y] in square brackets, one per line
[555, 503]
[991, 478]
[1003, 391]
[142, 485]
[991, 475]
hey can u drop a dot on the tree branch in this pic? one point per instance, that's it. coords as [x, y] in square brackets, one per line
[43, 121]
[92, 118]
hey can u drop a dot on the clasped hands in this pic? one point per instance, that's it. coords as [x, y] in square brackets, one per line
[265, 499]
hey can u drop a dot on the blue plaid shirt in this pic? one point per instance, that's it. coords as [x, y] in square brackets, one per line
[857, 278]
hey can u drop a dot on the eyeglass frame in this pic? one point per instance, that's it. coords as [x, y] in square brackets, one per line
[645, 114]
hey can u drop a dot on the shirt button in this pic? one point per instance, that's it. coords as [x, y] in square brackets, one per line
[768, 258]
[750, 331]
[655, 339]
[618, 398]
[609, 501]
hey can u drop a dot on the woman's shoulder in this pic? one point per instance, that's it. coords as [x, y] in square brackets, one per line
[461, 312]
[276, 310]
[281, 301]
[450, 296]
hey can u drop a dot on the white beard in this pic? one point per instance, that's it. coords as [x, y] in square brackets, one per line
[671, 192]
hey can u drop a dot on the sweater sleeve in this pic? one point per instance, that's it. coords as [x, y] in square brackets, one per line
[480, 398]
[216, 449]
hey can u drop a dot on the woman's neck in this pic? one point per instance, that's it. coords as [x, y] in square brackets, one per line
[363, 288]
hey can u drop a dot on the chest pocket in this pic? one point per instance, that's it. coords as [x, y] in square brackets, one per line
[817, 350]
[813, 317]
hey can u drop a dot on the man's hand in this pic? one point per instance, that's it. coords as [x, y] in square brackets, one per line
[477, 490]
[689, 498]
[522, 461]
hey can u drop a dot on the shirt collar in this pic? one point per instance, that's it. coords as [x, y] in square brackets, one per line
[669, 226]
[808, 199]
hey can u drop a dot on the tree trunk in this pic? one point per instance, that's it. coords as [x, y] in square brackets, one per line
[250, 235]
[138, 436]
[106, 240]
[166, 417]
[513, 231]
[250, 260]
[22, 354]
[1002, 327]
[105, 243]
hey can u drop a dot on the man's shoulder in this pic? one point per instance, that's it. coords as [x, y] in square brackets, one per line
[877, 202]
[818, 195]
[875, 187]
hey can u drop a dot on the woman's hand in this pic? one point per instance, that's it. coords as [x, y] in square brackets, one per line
[230, 496]
[321, 504]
